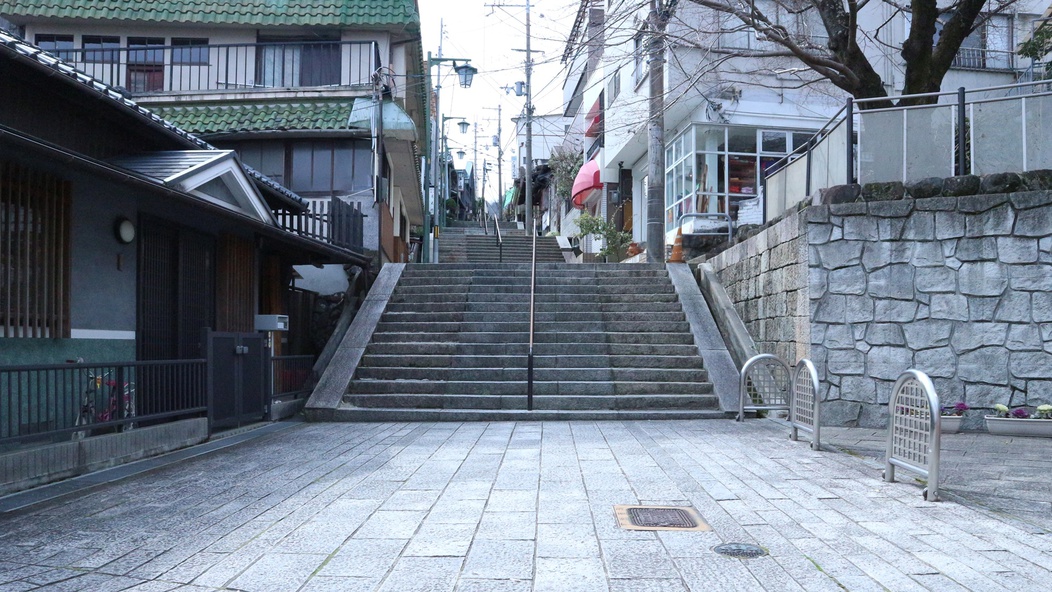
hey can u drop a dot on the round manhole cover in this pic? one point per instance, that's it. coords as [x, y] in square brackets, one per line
[740, 550]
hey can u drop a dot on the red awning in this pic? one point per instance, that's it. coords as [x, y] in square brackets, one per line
[586, 182]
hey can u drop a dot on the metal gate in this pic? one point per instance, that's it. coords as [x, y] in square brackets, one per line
[236, 378]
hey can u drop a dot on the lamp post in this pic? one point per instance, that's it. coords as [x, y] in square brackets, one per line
[466, 73]
[445, 159]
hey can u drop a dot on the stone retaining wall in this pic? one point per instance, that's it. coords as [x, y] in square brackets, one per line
[766, 276]
[959, 287]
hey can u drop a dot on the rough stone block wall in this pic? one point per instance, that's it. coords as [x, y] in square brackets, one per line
[766, 276]
[957, 287]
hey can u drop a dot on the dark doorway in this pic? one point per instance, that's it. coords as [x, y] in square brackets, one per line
[176, 291]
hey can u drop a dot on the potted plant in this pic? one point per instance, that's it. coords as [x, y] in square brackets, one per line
[951, 417]
[1020, 422]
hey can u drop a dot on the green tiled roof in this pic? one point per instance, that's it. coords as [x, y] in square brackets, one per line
[341, 13]
[213, 119]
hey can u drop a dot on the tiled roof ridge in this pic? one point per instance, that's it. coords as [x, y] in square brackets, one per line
[361, 13]
[29, 51]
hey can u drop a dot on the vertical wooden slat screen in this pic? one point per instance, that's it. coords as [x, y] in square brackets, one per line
[158, 291]
[237, 281]
[272, 286]
[34, 253]
[197, 293]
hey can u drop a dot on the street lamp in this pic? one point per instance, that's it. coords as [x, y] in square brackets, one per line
[445, 157]
[464, 127]
[466, 72]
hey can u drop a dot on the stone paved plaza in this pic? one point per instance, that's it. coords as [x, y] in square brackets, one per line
[502, 507]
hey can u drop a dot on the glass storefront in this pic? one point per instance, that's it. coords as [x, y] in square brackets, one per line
[711, 168]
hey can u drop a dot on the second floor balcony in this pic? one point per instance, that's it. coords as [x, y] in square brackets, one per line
[147, 69]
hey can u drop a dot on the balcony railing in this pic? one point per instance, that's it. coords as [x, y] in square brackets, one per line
[983, 131]
[333, 221]
[239, 67]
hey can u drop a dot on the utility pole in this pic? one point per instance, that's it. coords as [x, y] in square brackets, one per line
[657, 20]
[529, 122]
[529, 131]
[474, 165]
[429, 233]
[500, 161]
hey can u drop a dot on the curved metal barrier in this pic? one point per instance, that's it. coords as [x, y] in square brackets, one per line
[803, 412]
[766, 383]
[914, 430]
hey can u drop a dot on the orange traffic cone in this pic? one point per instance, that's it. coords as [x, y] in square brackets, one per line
[677, 249]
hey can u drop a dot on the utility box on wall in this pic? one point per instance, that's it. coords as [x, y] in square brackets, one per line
[272, 322]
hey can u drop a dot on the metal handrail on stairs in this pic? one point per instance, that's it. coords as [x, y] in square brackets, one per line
[500, 241]
[529, 356]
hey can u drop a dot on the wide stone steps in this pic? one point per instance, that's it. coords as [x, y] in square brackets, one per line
[465, 351]
[576, 388]
[514, 248]
[539, 374]
[541, 298]
[596, 360]
[540, 308]
[524, 317]
[609, 341]
[518, 401]
[523, 337]
[364, 414]
[539, 327]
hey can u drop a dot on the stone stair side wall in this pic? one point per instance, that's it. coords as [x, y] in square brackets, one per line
[766, 276]
[959, 287]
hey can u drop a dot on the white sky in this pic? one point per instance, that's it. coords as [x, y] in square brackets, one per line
[487, 34]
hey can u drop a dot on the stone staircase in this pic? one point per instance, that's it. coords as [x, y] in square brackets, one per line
[611, 341]
[516, 248]
[467, 242]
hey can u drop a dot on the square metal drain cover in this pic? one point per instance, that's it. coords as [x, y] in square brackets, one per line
[659, 518]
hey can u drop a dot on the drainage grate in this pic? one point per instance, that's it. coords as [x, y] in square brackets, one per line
[659, 518]
[740, 550]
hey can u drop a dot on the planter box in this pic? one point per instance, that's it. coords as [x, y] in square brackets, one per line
[1008, 426]
[950, 424]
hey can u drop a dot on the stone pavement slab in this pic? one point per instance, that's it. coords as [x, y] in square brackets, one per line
[528, 506]
[1006, 474]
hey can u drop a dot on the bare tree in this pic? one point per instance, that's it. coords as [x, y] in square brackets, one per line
[935, 36]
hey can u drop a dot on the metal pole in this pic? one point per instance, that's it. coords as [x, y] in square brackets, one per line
[850, 140]
[500, 167]
[961, 137]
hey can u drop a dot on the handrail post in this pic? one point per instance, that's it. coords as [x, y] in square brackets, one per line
[500, 240]
[533, 290]
[809, 150]
[850, 115]
[961, 136]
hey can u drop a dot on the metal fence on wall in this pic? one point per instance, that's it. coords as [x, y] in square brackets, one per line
[40, 402]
